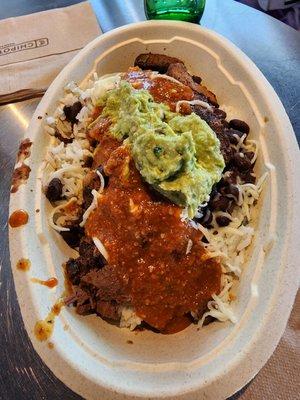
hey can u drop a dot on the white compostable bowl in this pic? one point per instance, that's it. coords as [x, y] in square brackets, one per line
[94, 358]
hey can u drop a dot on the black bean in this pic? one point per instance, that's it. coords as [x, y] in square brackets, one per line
[231, 207]
[233, 135]
[225, 124]
[87, 197]
[220, 113]
[214, 191]
[230, 189]
[208, 320]
[222, 221]
[197, 79]
[231, 177]
[247, 177]
[249, 155]
[219, 202]
[216, 125]
[241, 162]
[73, 236]
[106, 178]
[72, 111]
[207, 217]
[54, 190]
[239, 125]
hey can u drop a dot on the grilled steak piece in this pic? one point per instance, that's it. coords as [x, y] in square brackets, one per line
[105, 282]
[86, 297]
[179, 72]
[108, 309]
[89, 258]
[155, 62]
[73, 271]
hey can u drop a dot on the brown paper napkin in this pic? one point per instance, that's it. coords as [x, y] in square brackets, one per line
[34, 48]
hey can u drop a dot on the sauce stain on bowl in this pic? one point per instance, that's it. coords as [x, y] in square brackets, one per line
[24, 264]
[43, 328]
[50, 283]
[24, 150]
[18, 218]
[20, 176]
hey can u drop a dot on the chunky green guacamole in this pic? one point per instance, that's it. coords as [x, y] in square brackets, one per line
[179, 155]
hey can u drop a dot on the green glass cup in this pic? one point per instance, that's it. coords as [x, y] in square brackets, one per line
[183, 10]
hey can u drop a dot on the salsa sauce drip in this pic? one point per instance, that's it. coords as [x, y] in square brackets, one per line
[156, 258]
[50, 283]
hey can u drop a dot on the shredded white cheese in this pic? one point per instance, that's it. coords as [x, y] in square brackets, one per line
[102, 181]
[193, 102]
[189, 246]
[59, 210]
[100, 247]
[96, 197]
[229, 244]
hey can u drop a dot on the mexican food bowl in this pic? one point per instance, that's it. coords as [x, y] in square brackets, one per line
[92, 356]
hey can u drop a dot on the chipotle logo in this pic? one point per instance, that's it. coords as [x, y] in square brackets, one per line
[29, 45]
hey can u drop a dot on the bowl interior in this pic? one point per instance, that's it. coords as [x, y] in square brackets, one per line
[110, 341]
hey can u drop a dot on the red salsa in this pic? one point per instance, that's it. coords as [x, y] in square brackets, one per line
[156, 257]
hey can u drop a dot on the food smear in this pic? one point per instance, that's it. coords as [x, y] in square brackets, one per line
[24, 264]
[50, 283]
[24, 150]
[43, 329]
[20, 176]
[18, 218]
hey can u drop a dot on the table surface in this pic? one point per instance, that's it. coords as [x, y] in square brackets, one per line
[275, 49]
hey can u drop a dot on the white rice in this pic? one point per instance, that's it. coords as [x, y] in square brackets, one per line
[66, 161]
[129, 319]
[201, 103]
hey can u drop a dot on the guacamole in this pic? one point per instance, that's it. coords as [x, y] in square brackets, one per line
[179, 155]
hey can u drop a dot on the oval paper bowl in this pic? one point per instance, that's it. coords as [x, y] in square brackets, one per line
[98, 360]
